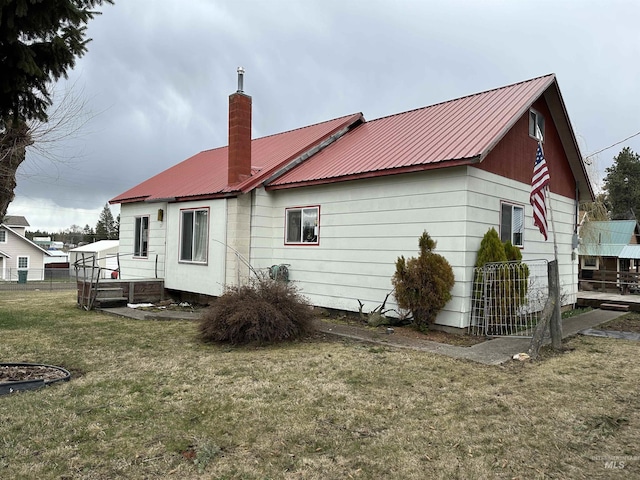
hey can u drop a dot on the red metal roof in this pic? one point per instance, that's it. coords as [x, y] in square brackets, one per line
[458, 131]
[205, 174]
[461, 131]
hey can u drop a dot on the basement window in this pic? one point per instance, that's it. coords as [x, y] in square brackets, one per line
[141, 237]
[536, 125]
[302, 226]
[512, 224]
[194, 235]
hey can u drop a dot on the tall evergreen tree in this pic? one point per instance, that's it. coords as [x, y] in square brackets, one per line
[106, 226]
[622, 185]
[39, 43]
[88, 235]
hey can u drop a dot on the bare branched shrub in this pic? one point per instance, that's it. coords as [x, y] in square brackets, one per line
[264, 311]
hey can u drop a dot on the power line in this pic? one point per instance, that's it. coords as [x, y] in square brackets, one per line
[611, 146]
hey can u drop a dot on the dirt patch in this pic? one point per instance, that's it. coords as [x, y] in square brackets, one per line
[438, 336]
[20, 373]
[626, 323]
[407, 332]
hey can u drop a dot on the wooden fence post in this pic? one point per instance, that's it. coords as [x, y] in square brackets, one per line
[556, 317]
[550, 310]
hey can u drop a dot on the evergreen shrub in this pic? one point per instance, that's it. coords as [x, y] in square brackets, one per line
[423, 284]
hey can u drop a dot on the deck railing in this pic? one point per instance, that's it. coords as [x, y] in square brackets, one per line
[609, 280]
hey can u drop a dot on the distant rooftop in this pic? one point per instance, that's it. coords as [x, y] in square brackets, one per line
[15, 221]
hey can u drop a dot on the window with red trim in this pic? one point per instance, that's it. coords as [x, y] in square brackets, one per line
[302, 226]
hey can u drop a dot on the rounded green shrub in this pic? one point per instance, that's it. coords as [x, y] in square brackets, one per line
[491, 249]
[264, 311]
[423, 284]
[504, 292]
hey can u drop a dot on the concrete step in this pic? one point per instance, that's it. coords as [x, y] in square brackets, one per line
[103, 302]
[618, 307]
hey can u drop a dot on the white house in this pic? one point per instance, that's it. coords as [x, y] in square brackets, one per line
[339, 201]
[20, 258]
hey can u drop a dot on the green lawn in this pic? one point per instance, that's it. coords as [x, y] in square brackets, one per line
[148, 400]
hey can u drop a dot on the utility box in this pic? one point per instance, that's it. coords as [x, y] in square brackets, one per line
[22, 276]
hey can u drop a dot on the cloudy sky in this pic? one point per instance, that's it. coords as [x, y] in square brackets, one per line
[153, 88]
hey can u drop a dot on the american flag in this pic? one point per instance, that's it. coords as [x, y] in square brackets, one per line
[539, 184]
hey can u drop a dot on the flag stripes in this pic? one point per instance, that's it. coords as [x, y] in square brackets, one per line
[539, 185]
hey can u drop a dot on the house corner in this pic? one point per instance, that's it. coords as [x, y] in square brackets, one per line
[237, 269]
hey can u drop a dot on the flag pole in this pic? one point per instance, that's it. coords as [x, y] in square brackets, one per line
[541, 202]
[553, 225]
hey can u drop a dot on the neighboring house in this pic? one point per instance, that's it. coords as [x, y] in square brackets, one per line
[18, 253]
[57, 256]
[339, 201]
[606, 248]
[102, 254]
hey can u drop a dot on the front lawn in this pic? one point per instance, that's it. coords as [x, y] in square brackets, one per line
[148, 400]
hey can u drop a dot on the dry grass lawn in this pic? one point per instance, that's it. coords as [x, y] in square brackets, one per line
[148, 400]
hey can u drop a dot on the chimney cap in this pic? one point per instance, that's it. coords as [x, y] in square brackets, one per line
[240, 79]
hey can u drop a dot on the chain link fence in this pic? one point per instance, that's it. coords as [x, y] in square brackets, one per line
[38, 279]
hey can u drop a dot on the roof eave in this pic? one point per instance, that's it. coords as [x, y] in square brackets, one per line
[560, 116]
[25, 239]
[379, 173]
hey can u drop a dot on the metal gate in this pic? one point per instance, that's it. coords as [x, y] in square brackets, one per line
[507, 298]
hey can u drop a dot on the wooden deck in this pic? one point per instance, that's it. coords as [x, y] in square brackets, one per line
[108, 291]
[595, 299]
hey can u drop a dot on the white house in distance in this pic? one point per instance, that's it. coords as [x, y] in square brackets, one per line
[339, 201]
[18, 254]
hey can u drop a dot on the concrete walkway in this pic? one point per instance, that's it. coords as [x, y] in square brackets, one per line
[491, 352]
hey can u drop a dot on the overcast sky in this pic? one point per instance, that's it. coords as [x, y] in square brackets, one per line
[155, 82]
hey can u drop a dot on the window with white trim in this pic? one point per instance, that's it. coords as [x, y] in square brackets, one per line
[194, 235]
[141, 237]
[536, 124]
[3, 236]
[302, 226]
[512, 224]
[23, 263]
[590, 263]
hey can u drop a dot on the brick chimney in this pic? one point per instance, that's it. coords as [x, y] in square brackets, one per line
[239, 159]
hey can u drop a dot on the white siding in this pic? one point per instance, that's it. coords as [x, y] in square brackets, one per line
[153, 266]
[366, 224]
[207, 279]
[486, 190]
[16, 246]
[238, 239]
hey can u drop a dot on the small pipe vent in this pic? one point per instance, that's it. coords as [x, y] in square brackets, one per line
[240, 79]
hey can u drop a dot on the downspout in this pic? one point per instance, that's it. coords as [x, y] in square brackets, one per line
[226, 240]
